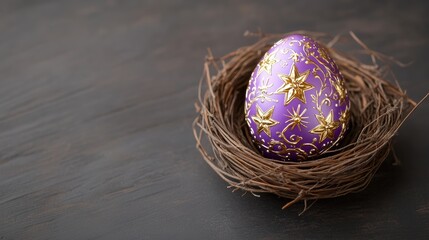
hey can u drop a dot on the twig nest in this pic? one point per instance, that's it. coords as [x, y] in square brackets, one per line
[378, 110]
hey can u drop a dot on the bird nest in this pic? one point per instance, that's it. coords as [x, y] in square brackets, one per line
[378, 110]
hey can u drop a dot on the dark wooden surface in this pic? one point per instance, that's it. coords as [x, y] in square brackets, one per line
[96, 105]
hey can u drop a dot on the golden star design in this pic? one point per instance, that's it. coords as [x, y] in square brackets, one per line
[326, 126]
[266, 64]
[294, 85]
[297, 118]
[264, 120]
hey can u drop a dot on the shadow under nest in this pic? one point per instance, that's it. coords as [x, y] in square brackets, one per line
[379, 108]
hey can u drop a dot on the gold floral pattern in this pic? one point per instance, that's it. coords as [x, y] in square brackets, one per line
[266, 64]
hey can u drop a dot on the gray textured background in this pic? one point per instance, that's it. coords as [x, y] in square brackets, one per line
[96, 105]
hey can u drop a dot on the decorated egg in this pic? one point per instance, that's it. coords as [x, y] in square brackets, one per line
[296, 106]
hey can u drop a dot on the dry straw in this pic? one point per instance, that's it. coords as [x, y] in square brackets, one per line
[378, 110]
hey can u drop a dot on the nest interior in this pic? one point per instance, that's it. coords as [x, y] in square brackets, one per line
[379, 107]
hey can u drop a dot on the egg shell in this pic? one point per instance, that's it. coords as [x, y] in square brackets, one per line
[296, 106]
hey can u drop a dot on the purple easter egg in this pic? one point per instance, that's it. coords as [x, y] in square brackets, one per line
[296, 104]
